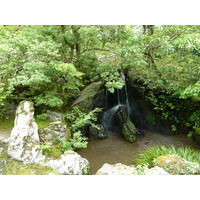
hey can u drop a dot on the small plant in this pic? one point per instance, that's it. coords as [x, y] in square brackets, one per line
[78, 141]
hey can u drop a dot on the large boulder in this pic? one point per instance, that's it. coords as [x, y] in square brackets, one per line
[24, 144]
[121, 169]
[70, 163]
[92, 96]
[128, 128]
[174, 164]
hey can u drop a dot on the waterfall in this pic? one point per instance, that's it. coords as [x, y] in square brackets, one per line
[126, 95]
[121, 101]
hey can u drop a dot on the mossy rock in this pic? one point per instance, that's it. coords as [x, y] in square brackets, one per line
[129, 131]
[176, 165]
[85, 100]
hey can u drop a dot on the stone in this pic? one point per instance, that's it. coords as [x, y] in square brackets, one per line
[6, 141]
[54, 116]
[91, 97]
[95, 133]
[156, 171]
[54, 131]
[70, 163]
[116, 169]
[176, 165]
[121, 169]
[24, 144]
[128, 128]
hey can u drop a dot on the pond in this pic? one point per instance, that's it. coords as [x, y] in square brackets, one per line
[115, 149]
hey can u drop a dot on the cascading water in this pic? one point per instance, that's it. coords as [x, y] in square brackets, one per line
[110, 112]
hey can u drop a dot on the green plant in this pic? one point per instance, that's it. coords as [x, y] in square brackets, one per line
[78, 141]
[150, 155]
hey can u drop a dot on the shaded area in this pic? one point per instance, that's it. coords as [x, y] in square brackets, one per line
[115, 149]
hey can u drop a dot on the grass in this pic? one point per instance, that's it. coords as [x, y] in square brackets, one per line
[152, 153]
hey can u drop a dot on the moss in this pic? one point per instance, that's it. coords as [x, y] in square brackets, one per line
[42, 123]
[197, 131]
[129, 131]
[17, 168]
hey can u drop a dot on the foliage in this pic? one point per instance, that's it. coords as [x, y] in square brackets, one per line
[78, 141]
[79, 119]
[150, 155]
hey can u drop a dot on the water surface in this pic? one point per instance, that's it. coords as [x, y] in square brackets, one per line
[115, 149]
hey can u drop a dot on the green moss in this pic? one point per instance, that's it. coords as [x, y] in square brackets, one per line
[197, 131]
[129, 131]
[17, 168]
[42, 123]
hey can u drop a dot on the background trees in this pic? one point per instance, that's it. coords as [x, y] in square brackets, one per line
[50, 64]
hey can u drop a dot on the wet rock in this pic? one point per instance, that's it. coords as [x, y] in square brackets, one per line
[91, 97]
[70, 163]
[174, 164]
[54, 131]
[95, 133]
[128, 128]
[24, 144]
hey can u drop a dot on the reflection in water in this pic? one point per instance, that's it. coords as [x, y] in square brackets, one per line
[115, 149]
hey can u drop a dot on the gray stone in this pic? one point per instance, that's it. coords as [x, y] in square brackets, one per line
[156, 171]
[116, 169]
[24, 144]
[91, 97]
[121, 169]
[54, 116]
[70, 163]
[54, 131]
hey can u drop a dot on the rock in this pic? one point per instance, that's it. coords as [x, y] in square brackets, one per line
[174, 164]
[70, 163]
[156, 171]
[54, 116]
[121, 169]
[54, 131]
[24, 144]
[128, 128]
[6, 141]
[91, 97]
[116, 169]
[95, 133]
